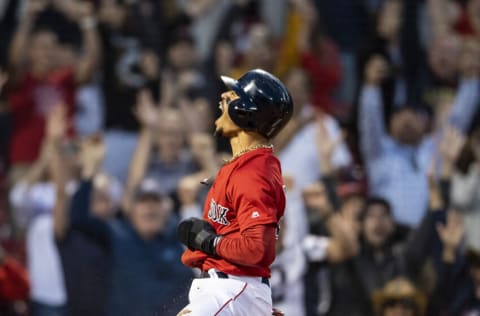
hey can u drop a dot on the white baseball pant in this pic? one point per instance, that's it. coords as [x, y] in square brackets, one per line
[239, 296]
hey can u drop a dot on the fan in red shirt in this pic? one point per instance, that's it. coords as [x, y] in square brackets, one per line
[234, 243]
[41, 79]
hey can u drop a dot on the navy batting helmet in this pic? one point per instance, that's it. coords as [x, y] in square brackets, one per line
[264, 104]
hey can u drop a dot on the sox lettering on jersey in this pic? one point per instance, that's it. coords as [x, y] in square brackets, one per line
[218, 213]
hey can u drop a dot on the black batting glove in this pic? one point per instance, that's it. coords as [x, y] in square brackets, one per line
[198, 234]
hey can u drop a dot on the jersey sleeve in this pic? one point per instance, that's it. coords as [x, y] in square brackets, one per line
[257, 194]
[193, 258]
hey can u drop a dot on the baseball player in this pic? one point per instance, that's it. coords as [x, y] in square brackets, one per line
[234, 243]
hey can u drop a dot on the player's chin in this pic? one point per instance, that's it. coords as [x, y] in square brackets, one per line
[218, 132]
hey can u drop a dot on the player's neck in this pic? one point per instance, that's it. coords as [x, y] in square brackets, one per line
[244, 141]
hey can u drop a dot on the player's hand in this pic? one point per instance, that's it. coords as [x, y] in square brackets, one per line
[198, 234]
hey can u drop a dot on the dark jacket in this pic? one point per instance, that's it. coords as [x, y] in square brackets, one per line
[148, 277]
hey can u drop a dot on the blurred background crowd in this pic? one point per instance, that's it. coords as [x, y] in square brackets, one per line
[106, 123]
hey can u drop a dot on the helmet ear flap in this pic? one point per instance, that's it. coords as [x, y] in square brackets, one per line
[240, 114]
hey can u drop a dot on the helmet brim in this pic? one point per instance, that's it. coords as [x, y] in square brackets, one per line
[234, 85]
[230, 83]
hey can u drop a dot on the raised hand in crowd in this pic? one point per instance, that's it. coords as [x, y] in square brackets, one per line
[92, 152]
[450, 234]
[187, 193]
[57, 124]
[316, 199]
[197, 114]
[450, 147]
[77, 10]
[150, 65]
[146, 111]
[448, 151]
[18, 51]
[168, 88]
[195, 111]
[55, 130]
[326, 145]
[34, 7]
[376, 70]
[80, 11]
[202, 147]
[306, 10]
[88, 61]
[344, 240]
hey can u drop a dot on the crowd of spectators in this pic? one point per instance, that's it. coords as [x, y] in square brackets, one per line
[106, 142]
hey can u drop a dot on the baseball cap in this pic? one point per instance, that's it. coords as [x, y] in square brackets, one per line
[149, 189]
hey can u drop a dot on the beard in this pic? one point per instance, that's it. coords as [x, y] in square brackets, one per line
[218, 132]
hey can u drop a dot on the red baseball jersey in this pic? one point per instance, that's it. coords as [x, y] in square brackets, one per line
[247, 192]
